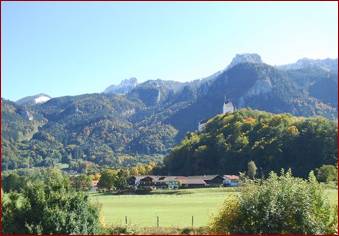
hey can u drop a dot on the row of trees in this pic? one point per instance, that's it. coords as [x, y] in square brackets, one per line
[325, 173]
[116, 179]
[109, 179]
[14, 182]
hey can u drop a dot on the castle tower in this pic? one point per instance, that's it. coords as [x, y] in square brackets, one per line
[227, 107]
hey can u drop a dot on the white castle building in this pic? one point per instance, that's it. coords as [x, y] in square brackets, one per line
[228, 107]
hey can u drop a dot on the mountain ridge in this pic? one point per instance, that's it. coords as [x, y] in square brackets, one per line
[126, 85]
[107, 128]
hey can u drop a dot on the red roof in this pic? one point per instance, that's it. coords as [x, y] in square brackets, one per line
[231, 177]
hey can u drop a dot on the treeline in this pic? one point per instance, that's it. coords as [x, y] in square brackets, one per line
[272, 141]
[108, 178]
[117, 179]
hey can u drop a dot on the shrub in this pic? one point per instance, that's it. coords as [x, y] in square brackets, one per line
[49, 206]
[119, 230]
[280, 204]
[327, 173]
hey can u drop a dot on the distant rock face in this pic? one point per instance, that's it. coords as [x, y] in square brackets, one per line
[28, 115]
[32, 100]
[124, 87]
[155, 92]
[260, 87]
[245, 58]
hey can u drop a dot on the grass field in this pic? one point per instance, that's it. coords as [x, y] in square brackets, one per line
[174, 210]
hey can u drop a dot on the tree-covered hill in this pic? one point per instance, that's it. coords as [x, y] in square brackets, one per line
[272, 141]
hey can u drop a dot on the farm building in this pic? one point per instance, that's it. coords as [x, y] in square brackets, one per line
[168, 182]
[175, 182]
[145, 180]
[212, 180]
[154, 181]
[189, 182]
[231, 180]
[142, 182]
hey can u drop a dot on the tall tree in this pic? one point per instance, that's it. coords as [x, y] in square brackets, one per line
[107, 179]
[81, 182]
[251, 169]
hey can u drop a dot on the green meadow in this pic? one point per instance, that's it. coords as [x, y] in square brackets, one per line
[174, 208]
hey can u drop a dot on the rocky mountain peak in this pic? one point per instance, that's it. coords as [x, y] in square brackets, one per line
[245, 58]
[124, 87]
[130, 81]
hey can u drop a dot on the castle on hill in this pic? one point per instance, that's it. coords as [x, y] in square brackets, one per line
[228, 107]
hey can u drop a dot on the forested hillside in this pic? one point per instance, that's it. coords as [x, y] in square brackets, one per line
[94, 128]
[272, 141]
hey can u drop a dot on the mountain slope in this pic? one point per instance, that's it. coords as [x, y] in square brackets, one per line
[146, 120]
[96, 128]
[20, 123]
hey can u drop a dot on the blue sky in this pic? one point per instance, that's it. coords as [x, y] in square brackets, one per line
[73, 48]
